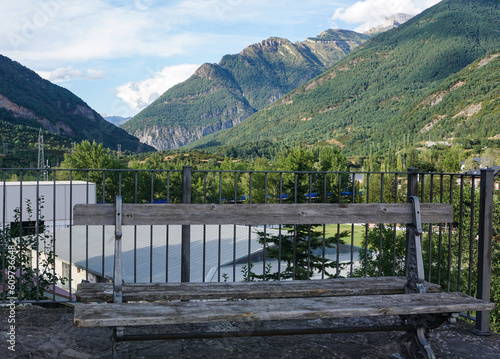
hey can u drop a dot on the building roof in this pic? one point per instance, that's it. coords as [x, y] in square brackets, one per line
[148, 261]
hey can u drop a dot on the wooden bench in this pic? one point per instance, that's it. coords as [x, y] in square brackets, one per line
[420, 305]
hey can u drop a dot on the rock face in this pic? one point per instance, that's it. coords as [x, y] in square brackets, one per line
[390, 22]
[28, 100]
[220, 96]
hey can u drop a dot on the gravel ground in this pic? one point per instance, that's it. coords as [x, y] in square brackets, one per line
[49, 333]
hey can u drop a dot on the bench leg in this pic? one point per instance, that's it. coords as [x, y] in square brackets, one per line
[414, 344]
[117, 333]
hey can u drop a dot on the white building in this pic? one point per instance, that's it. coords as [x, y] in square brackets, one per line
[58, 199]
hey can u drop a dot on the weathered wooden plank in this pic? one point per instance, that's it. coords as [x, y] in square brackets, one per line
[103, 292]
[323, 213]
[129, 314]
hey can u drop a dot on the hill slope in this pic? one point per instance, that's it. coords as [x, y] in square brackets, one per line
[222, 95]
[465, 107]
[364, 102]
[28, 100]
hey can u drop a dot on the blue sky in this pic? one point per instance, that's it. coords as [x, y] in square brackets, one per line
[119, 56]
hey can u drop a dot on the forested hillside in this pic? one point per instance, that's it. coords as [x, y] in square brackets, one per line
[28, 103]
[372, 100]
[222, 95]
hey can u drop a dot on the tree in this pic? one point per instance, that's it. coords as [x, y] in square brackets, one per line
[301, 245]
[95, 158]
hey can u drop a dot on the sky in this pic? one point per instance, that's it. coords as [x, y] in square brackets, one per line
[119, 56]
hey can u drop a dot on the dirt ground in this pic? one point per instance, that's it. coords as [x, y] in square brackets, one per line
[49, 333]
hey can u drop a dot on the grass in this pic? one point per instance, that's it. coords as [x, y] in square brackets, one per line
[359, 231]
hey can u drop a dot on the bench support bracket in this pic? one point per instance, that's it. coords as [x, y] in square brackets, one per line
[414, 263]
[414, 344]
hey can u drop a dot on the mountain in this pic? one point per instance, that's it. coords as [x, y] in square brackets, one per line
[220, 96]
[29, 101]
[464, 107]
[116, 120]
[372, 99]
[390, 22]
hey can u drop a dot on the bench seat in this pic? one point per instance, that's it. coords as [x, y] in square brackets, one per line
[133, 314]
[152, 292]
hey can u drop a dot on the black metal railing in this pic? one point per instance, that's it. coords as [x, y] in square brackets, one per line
[457, 255]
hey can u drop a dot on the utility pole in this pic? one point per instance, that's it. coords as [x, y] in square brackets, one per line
[41, 157]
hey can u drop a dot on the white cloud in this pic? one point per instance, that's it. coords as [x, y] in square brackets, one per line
[64, 74]
[372, 12]
[60, 31]
[140, 94]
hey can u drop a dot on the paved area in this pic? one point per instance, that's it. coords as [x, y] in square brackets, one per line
[49, 333]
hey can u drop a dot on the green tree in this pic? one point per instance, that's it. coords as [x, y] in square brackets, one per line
[301, 245]
[94, 158]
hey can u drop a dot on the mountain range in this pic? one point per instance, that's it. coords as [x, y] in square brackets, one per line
[28, 103]
[220, 96]
[419, 80]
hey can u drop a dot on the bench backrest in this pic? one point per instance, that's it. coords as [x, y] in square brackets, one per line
[259, 214]
[412, 213]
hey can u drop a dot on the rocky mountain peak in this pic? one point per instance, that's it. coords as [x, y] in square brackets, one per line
[208, 71]
[389, 22]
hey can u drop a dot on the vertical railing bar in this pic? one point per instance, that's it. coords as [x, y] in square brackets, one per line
[234, 253]
[235, 187]
[205, 187]
[151, 253]
[186, 229]
[135, 254]
[294, 274]
[37, 234]
[103, 227]
[308, 251]
[265, 187]
[54, 217]
[4, 233]
[234, 226]
[339, 192]
[264, 250]
[429, 254]
[460, 232]
[119, 183]
[167, 232]
[280, 226]
[250, 189]
[323, 252]
[168, 186]
[449, 237]
[20, 293]
[471, 231]
[220, 187]
[87, 234]
[249, 263]
[135, 186]
[381, 225]
[351, 265]
[309, 231]
[394, 227]
[204, 252]
[70, 235]
[365, 264]
[422, 187]
[440, 235]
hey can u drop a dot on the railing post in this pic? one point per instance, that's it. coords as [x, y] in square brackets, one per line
[186, 229]
[485, 247]
[412, 183]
